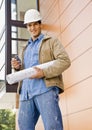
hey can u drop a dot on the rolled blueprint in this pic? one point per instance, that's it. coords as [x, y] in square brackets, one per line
[26, 73]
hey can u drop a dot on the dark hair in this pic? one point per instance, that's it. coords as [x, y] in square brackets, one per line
[39, 21]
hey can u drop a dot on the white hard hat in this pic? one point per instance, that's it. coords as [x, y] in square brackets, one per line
[32, 15]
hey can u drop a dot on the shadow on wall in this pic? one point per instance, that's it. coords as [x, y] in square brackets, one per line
[50, 27]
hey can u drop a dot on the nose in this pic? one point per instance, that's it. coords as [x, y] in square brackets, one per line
[32, 27]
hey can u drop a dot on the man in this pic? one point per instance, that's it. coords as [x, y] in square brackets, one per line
[39, 93]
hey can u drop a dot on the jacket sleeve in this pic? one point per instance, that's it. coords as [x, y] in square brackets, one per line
[62, 60]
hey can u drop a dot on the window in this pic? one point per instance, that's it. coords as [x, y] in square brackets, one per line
[16, 34]
[2, 45]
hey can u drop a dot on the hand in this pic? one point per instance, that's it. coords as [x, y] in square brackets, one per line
[15, 63]
[39, 73]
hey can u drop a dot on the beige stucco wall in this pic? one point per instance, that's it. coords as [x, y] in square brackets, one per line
[71, 22]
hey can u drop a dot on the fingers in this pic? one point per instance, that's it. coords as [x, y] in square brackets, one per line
[37, 69]
[39, 73]
[15, 64]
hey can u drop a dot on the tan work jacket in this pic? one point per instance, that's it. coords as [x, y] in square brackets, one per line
[52, 49]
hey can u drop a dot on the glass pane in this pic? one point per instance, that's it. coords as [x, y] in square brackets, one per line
[17, 47]
[19, 7]
[2, 56]
[13, 10]
[2, 64]
[18, 32]
[2, 41]
[2, 16]
[2, 73]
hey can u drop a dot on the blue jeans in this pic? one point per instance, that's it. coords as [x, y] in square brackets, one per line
[45, 105]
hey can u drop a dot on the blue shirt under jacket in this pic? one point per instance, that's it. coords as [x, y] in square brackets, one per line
[32, 87]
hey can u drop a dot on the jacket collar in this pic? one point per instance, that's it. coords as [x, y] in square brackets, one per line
[46, 37]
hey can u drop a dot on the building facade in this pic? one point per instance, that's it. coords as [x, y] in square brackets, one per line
[71, 22]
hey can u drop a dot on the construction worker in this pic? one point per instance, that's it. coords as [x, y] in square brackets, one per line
[39, 95]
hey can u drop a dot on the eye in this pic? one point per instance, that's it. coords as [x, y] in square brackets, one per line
[29, 25]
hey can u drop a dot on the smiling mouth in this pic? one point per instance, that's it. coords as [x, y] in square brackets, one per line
[33, 31]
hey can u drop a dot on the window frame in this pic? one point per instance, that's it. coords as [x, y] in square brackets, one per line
[8, 40]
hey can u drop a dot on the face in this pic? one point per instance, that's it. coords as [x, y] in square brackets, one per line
[34, 29]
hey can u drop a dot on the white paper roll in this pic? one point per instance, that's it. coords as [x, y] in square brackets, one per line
[26, 73]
